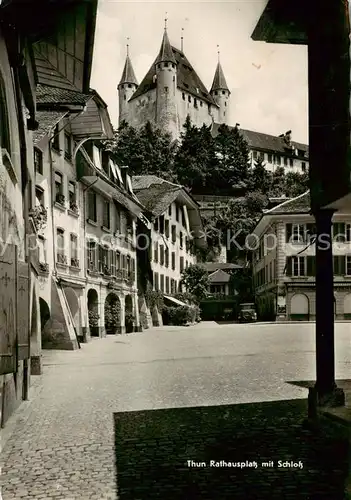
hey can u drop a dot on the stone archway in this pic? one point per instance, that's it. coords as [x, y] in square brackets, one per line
[129, 315]
[347, 306]
[299, 307]
[93, 312]
[112, 314]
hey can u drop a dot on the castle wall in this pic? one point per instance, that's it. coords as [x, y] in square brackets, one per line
[142, 110]
[199, 114]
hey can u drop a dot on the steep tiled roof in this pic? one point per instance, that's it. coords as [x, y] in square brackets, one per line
[187, 79]
[128, 75]
[213, 266]
[268, 142]
[219, 82]
[47, 121]
[299, 205]
[157, 197]
[165, 54]
[145, 181]
[219, 276]
[53, 96]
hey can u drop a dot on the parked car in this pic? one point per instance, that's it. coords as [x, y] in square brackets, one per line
[247, 313]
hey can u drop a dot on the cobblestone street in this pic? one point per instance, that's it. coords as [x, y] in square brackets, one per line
[62, 445]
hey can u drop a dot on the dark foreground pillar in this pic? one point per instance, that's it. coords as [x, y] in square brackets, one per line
[326, 392]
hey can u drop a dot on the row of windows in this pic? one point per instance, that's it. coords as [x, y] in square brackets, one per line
[61, 255]
[106, 214]
[306, 265]
[165, 284]
[60, 192]
[68, 142]
[277, 159]
[265, 275]
[161, 256]
[102, 259]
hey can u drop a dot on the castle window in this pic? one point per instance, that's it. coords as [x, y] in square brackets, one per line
[303, 166]
[173, 65]
[224, 113]
[201, 103]
[195, 102]
[129, 86]
[225, 103]
[183, 96]
[166, 90]
[174, 78]
[189, 98]
[124, 97]
[223, 92]
[216, 93]
[166, 64]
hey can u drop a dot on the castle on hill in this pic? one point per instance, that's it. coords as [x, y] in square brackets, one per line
[170, 91]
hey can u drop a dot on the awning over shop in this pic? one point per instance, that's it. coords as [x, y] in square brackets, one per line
[175, 301]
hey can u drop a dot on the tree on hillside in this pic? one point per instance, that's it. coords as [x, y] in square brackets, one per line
[195, 157]
[146, 150]
[296, 183]
[232, 151]
[260, 178]
[278, 185]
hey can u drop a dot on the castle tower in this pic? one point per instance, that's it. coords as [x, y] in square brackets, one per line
[166, 75]
[220, 93]
[126, 88]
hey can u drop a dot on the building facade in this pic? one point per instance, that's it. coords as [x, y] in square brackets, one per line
[176, 230]
[284, 262]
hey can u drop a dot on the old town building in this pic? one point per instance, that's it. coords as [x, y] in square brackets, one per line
[176, 229]
[30, 34]
[284, 262]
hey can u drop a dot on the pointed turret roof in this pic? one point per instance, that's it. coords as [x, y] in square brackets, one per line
[128, 75]
[166, 52]
[219, 82]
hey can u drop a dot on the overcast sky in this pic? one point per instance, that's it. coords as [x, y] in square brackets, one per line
[268, 82]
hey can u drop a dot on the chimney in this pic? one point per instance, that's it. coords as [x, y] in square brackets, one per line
[288, 137]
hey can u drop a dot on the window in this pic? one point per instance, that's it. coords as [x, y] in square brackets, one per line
[181, 264]
[285, 161]
[38, 161]
[60, 246]
[166, 257]
[59, 196]
[170, 210]
[195, 102]
[117, 221]
[177, 213]
[166, 90]
[166, 64]
[348, 232]
[167, 284]
[181, 239]
[129, 85]
[5, 141]
[106, 214]
[269, 158]
[162, 282]
[254, 155]
[339, 265]
[291, 162]
[216, 93]
[92, 213]
[339, 232]
[56, 138]
[174, 233]
[74, 250]
[162, 224]
[201, 104]
[295, 233]
[348, 265]
[156, 225]
[303, 166]
[298, 266]
[183, 96]
[223, 92]
[167, 228]
[39, 195]
[173, 260]
[72, 196]
[68, 146]
[278, 159]
[225, 103]
[156, 252]
[125, 97]
[173, 286]
[162, 255]
[156, 284]
[189, 98]
[92, 255]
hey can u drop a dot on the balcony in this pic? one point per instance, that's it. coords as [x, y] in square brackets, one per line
[39, 216]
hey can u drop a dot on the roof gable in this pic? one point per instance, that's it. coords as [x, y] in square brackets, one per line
[219, 276]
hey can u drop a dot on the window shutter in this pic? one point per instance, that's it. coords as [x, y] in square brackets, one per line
[288, 232]
[342, 265]
[310, 270]
[289, 266]
[8, 264]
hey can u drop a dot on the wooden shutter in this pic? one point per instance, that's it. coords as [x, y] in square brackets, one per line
[8, 271]
[288, 232]
[342, 265]
[310, 265]
[23, 302]
[289, 266]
